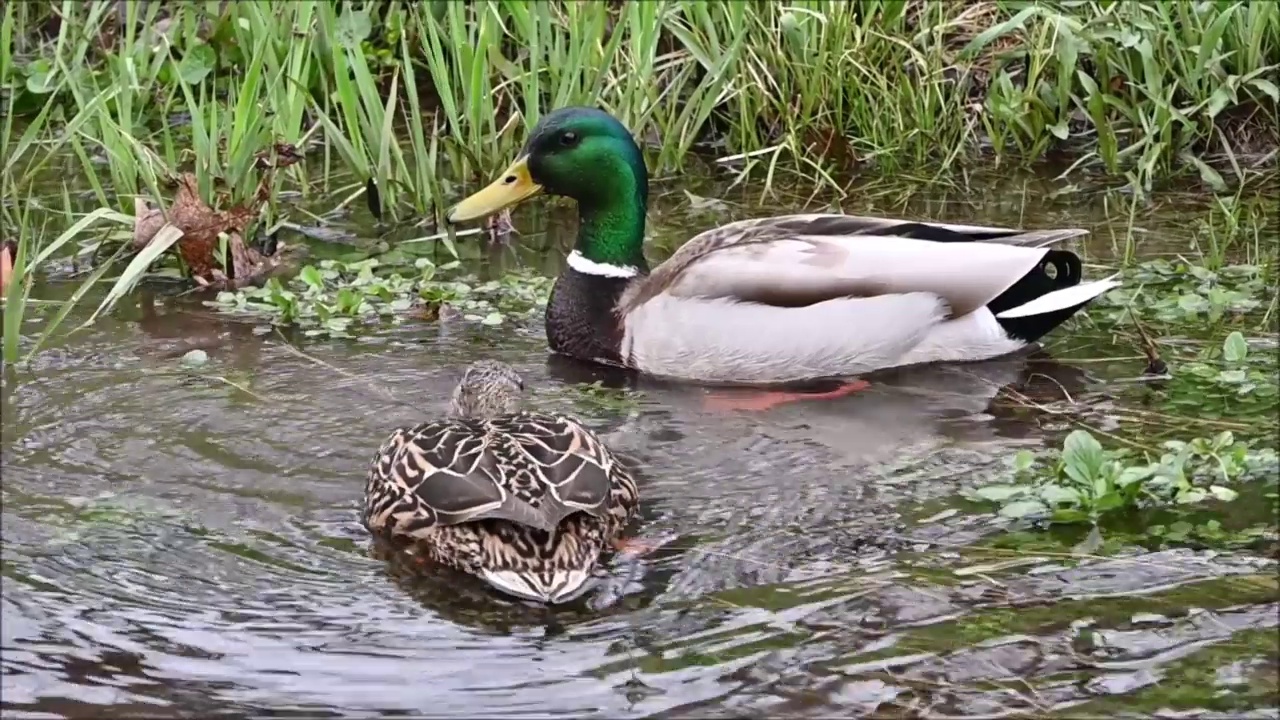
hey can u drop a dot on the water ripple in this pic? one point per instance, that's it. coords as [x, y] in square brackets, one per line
[182, 543]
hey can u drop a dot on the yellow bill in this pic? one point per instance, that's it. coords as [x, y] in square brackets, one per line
[512, 187]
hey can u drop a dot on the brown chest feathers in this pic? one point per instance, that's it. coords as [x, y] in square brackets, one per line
[582, 320]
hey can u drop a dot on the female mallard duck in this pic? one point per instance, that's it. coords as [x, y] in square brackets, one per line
[526, 501]
[781, 299]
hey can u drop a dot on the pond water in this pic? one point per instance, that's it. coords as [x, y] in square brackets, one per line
[185, 543]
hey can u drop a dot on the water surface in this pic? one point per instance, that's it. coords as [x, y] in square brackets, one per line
[185, 543]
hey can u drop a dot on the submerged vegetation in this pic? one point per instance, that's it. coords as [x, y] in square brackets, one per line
[1212, 363]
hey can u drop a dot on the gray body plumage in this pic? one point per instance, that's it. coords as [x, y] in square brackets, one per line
[795, 297]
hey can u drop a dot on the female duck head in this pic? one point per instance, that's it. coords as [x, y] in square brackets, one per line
[585, 154]
[487, 388]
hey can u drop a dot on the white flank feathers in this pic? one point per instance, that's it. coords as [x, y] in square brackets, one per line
[976, 335]
[719, 340]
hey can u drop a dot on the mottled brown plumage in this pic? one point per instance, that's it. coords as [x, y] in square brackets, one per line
[526, 501]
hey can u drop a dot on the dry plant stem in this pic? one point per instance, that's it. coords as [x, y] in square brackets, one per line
[379, 391]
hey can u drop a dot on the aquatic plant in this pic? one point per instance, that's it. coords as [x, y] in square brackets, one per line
[1085, 481]
[1179, 292]
[1215, 328]
[30, 247]
[596, 397]
[334, 298]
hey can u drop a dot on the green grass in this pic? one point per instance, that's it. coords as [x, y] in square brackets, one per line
[1142, 89]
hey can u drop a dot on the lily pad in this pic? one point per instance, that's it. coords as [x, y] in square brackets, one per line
[195, 358]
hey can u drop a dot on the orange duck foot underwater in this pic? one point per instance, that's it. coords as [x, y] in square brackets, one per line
[635, 546]
[761, 400]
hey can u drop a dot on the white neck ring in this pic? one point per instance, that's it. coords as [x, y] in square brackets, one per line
[586, 266]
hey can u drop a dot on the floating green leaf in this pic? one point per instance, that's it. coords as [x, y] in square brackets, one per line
[1223, 493]
[1024, 509]
[1023, 460]
[332, 297]
[1082, 456]
[1235, 348]
[997, 493]
[1058, 494]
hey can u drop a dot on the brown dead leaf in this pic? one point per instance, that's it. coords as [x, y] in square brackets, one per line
[249, 266]
[280, 155]
[499, 227]
[429, 311]
[201, 225]
[434, 310]
[830, 144]
[147, 221]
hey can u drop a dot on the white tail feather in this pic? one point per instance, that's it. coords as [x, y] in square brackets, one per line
[556, 587]
[1062, 299]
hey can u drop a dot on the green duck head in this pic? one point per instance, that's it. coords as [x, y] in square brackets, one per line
[587, 155]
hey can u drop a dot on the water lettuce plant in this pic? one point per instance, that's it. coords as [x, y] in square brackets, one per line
[335, 299]
[1083, 482]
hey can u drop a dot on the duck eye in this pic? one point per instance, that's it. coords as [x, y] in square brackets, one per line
[569, 139]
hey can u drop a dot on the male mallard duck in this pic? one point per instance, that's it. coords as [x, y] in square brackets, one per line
[526, 501]
[781, 299]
